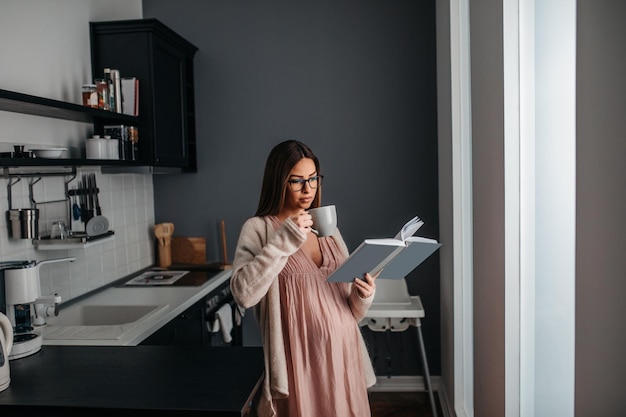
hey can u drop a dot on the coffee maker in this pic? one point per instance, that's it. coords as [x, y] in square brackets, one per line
[24, 305]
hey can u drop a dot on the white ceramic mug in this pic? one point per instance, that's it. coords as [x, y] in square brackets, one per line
[324, 220]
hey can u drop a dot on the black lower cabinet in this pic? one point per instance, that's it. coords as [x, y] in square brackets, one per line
[187, 329]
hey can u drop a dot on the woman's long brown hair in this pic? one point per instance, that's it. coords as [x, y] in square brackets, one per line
[281, 160]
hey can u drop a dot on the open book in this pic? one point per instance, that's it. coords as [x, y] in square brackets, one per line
[396, 257]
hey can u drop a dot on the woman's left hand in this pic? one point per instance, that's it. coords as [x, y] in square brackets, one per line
[366, 287]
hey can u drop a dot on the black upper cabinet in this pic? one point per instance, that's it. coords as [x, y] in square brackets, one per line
[162, 61]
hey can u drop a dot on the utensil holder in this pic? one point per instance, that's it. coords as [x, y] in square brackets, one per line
[165, 253]
[23, 223]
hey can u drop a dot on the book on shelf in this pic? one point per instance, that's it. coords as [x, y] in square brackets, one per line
[393, 257]
[130, 96]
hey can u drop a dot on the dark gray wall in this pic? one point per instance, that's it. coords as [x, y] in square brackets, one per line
[354, 79]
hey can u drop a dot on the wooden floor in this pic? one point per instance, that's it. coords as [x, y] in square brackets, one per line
[402, 404]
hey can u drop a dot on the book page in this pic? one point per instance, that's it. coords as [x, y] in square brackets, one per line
[409, 228]
[384, 241]
[420, 239]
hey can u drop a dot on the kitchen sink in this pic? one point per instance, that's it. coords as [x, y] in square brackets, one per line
[89, 315]
[96, 322]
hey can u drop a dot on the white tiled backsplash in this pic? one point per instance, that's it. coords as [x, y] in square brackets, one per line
[127, 201]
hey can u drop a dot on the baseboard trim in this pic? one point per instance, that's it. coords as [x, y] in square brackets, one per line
[403, 383]
[446, 408]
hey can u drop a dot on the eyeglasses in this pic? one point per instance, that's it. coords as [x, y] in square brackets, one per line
[296, 185]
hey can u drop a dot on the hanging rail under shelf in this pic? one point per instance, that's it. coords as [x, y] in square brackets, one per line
[37, 171]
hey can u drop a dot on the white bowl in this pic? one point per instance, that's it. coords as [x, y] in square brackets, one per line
[48, 152]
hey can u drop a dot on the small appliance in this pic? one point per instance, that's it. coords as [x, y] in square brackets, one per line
[6, 343]
[24, 306]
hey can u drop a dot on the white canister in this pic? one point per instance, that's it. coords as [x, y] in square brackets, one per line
[114, 148]
[97, 148]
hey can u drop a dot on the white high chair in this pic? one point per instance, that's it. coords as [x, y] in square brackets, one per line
[394, 310]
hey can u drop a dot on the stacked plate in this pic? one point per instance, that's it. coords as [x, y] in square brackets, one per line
[50, 153]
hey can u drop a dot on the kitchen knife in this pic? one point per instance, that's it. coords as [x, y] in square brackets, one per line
[96, 192]
[82, 202]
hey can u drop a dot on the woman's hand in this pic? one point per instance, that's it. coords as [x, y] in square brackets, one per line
[366, 287]
[303, 220]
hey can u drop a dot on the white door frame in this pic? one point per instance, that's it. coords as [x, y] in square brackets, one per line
[460, 84]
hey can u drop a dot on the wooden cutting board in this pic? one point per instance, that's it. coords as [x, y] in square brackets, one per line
[188, 250]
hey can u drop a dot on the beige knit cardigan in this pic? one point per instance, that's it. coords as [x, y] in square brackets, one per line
[262, 252]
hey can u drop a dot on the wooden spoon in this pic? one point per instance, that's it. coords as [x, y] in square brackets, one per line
[168, 231]
[159, 233]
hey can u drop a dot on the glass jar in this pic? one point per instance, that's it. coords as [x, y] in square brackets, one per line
[102, 88]
[90, 96]
[133, 137]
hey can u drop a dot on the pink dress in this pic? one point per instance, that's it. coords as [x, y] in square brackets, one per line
[326, 377]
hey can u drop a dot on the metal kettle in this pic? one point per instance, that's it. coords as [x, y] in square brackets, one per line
[6, 344]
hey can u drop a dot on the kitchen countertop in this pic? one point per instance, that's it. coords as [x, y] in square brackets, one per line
[144, 380]
[170, 300]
